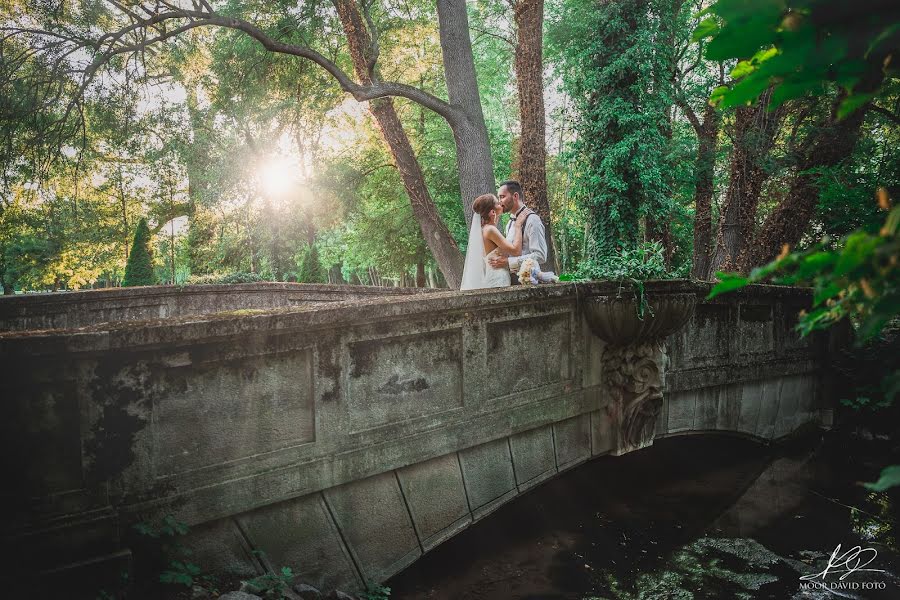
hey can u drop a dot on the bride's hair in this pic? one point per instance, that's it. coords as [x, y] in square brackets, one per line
[484, 204]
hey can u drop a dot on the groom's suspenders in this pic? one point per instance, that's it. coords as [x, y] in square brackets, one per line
[508, 223]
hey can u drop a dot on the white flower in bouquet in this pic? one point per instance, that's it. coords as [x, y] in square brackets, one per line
[527, 275]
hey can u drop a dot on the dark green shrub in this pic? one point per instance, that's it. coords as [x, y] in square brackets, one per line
[139, 268]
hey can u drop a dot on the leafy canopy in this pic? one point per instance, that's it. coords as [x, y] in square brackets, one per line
[796, 46]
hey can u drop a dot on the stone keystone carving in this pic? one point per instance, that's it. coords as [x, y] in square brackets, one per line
[634, 376]
[634, 361]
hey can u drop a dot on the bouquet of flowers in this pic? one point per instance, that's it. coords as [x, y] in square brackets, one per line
[531, 274]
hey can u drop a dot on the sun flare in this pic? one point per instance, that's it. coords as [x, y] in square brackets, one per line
[278, 176]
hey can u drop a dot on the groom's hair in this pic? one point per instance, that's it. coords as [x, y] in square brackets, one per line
[514, 187]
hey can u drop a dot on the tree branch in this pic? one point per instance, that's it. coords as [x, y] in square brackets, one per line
[883, 111]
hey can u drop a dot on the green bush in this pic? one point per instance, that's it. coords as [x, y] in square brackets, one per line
[139, 268]
[646, 261]
[223, 278]
[309, 269]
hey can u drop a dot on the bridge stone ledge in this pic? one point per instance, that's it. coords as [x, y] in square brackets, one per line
[346, 439]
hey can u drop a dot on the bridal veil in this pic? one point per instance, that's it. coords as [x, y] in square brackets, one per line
[474, 270]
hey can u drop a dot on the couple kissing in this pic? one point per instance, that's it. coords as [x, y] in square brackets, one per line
[495, 259]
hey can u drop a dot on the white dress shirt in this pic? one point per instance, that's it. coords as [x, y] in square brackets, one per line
[534, 241]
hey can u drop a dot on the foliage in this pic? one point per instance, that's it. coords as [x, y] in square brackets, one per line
[860, 280]
[890, 477]
[634, 265]
[377, 592]
[617, 69]
[272, 585]
[224, 278]
[798, 45]
[646, 261]
[139, 268]
[309, 267]
[180, 570]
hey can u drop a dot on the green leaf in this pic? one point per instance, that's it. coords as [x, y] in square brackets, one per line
[744, 67]
[815, 263]
[851, 103]
[892, 224]
[733, 42]
[829, 291]
[707, 27]
[857, 250]
[745, 91]
[727, 283]
[885, 36]
[890, 477]
[788, 91]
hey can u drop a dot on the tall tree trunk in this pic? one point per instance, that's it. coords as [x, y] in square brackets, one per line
[831, 144]
[420, 273]
[659, 230]
[754, 134]
[704, 169]
[124, 205]
[473, 149]
[435, 232]
[532, 153]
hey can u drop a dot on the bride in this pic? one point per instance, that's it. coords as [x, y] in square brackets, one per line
[486, 241]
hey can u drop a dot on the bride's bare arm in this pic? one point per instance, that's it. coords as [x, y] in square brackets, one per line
[509, 249]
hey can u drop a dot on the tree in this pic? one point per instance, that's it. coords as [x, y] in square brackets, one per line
[532, 147]
[310, 269]
[139, 268]
[800, 49]
[130, 29]
[619, 79]
[754, 133]
[364, 53]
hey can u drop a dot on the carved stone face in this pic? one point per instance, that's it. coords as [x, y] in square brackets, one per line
[634, 378]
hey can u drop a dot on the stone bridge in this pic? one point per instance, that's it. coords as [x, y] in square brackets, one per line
[345, 431]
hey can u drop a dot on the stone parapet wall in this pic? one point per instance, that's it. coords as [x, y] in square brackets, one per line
[372, 418]
[69, 310]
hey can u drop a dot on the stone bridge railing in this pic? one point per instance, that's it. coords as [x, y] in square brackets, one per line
[68, 310]
[348, 439]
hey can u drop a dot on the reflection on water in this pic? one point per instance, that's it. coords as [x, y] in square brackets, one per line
[692, 517]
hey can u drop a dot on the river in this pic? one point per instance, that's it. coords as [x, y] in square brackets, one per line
[704, 516]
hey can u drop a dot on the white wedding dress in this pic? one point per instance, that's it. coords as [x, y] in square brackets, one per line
[495, 277]
[478, 273]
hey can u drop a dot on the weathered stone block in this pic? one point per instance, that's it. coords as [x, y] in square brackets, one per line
[533, 456]
[401, 378]
[704, 340]
[572, 438]
[209, 414]
[436, 496]
[753, 394]
[792, 389]
[512, 369]
[756, 329]
[488, 474]
[681, 409]
[602, 436]
[300, 534]
[729, 414]
[373, 518]
[768, 409]
[706, 412]
[220, 547]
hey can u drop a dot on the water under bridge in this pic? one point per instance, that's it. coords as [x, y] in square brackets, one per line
[345, 431]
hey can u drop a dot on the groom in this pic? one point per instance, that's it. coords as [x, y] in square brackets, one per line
[534, 241]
